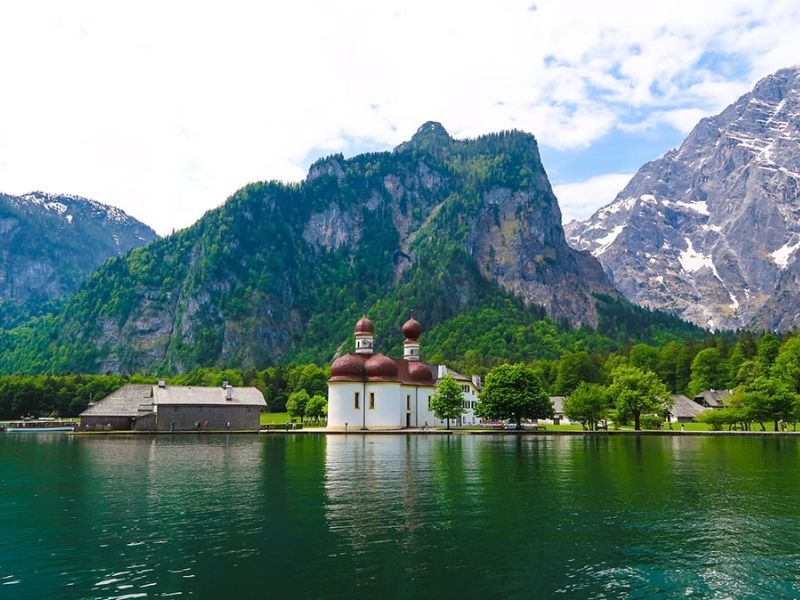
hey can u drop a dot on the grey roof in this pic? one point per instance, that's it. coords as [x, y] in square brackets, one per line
[175, 394]
[685, 408]
[558, 404]
[133, 400]
[130, 400]
[443, 370]
[714, 398]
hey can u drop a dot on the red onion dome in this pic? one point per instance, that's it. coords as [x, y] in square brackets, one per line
[349, 366]
[365, 326]
[380, 367]
[412, 330]
[419, 373]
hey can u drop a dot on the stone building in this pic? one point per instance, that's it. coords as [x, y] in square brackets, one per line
[176, 408]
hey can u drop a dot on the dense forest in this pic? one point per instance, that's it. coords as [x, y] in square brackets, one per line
[563, 359]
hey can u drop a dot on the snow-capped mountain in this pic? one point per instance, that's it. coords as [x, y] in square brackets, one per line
[711, 230]
[50, 242]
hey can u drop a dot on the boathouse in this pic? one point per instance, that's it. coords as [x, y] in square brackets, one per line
[176, 408]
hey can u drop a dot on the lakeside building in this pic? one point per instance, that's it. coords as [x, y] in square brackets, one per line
[559, 418]
[368, 390]
[684, 410]
[713, 398]
[176, 408]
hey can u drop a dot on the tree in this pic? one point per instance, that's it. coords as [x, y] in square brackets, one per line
[587, 404]
[635, 391]
[513, 392]
[787, 363]
[297, 403]
[448, 400]
[575, 367]
[707, 371]
[317, 407]
[770, 399]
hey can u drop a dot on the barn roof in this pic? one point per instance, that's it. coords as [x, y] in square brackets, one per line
[684, 407]
[714, 398]
[128, 401]
[176, 394]
[133, 400]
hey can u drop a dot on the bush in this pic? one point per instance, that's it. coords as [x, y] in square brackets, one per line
[652, 422]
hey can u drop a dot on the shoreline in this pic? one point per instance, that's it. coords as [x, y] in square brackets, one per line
[446, 432]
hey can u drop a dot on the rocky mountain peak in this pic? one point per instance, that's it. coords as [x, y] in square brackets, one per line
[430, 136]
[707, 230]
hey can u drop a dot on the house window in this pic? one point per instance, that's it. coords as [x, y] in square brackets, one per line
[371, 400]
[356, 401]
[429, 402]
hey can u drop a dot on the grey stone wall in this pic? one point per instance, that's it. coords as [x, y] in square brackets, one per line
[185, 417]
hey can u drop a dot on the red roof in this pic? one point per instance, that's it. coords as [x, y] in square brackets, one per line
[412, 329]
[377, 367]
[365, 326]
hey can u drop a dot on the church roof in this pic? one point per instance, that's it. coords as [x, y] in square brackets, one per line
[377, 367]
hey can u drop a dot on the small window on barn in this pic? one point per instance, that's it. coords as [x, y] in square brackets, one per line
[355, 401]
[371, 400]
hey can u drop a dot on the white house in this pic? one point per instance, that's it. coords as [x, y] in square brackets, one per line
[368, 390]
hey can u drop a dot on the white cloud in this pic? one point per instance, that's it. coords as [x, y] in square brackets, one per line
[581, 199]
[165, 108]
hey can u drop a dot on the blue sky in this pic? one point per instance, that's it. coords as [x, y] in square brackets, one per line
[166, 108]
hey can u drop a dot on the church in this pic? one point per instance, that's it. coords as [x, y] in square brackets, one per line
[368, 390]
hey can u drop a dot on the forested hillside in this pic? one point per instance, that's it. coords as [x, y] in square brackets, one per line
[280, 272]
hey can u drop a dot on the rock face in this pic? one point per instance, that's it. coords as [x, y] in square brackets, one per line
[50, 243]
[710, 231]
[439, 225]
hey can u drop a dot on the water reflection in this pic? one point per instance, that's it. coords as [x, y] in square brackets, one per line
[360, 516]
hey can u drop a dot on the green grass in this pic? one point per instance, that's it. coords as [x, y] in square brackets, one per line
[275, 418]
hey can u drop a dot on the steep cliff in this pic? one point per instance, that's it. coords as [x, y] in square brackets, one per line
[710, 231]
[279, 271]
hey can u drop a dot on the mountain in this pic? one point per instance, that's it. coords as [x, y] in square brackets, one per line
[710, 230]
[282, 271]
[48, 245]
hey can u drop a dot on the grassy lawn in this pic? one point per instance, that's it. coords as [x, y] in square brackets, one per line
[274, 418]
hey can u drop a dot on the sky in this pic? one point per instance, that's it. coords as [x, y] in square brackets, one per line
[165, 108]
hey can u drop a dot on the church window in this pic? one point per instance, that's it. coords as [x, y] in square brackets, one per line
[356, 401]
[372, 400]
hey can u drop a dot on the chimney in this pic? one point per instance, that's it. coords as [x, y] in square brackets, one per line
[224, 385]
[476, 381]
[162, 383]
[228, 392]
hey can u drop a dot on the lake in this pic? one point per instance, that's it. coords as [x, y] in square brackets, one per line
[249, 516]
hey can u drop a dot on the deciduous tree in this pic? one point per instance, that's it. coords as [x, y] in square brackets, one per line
[514, 392]
[448, 400]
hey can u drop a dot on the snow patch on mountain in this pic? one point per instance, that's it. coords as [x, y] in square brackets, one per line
[781, 256]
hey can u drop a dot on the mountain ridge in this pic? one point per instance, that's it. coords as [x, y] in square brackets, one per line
[438, 224]
[51, 242]
[709, 230]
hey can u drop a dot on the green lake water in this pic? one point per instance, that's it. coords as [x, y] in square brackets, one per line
[247, 516]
